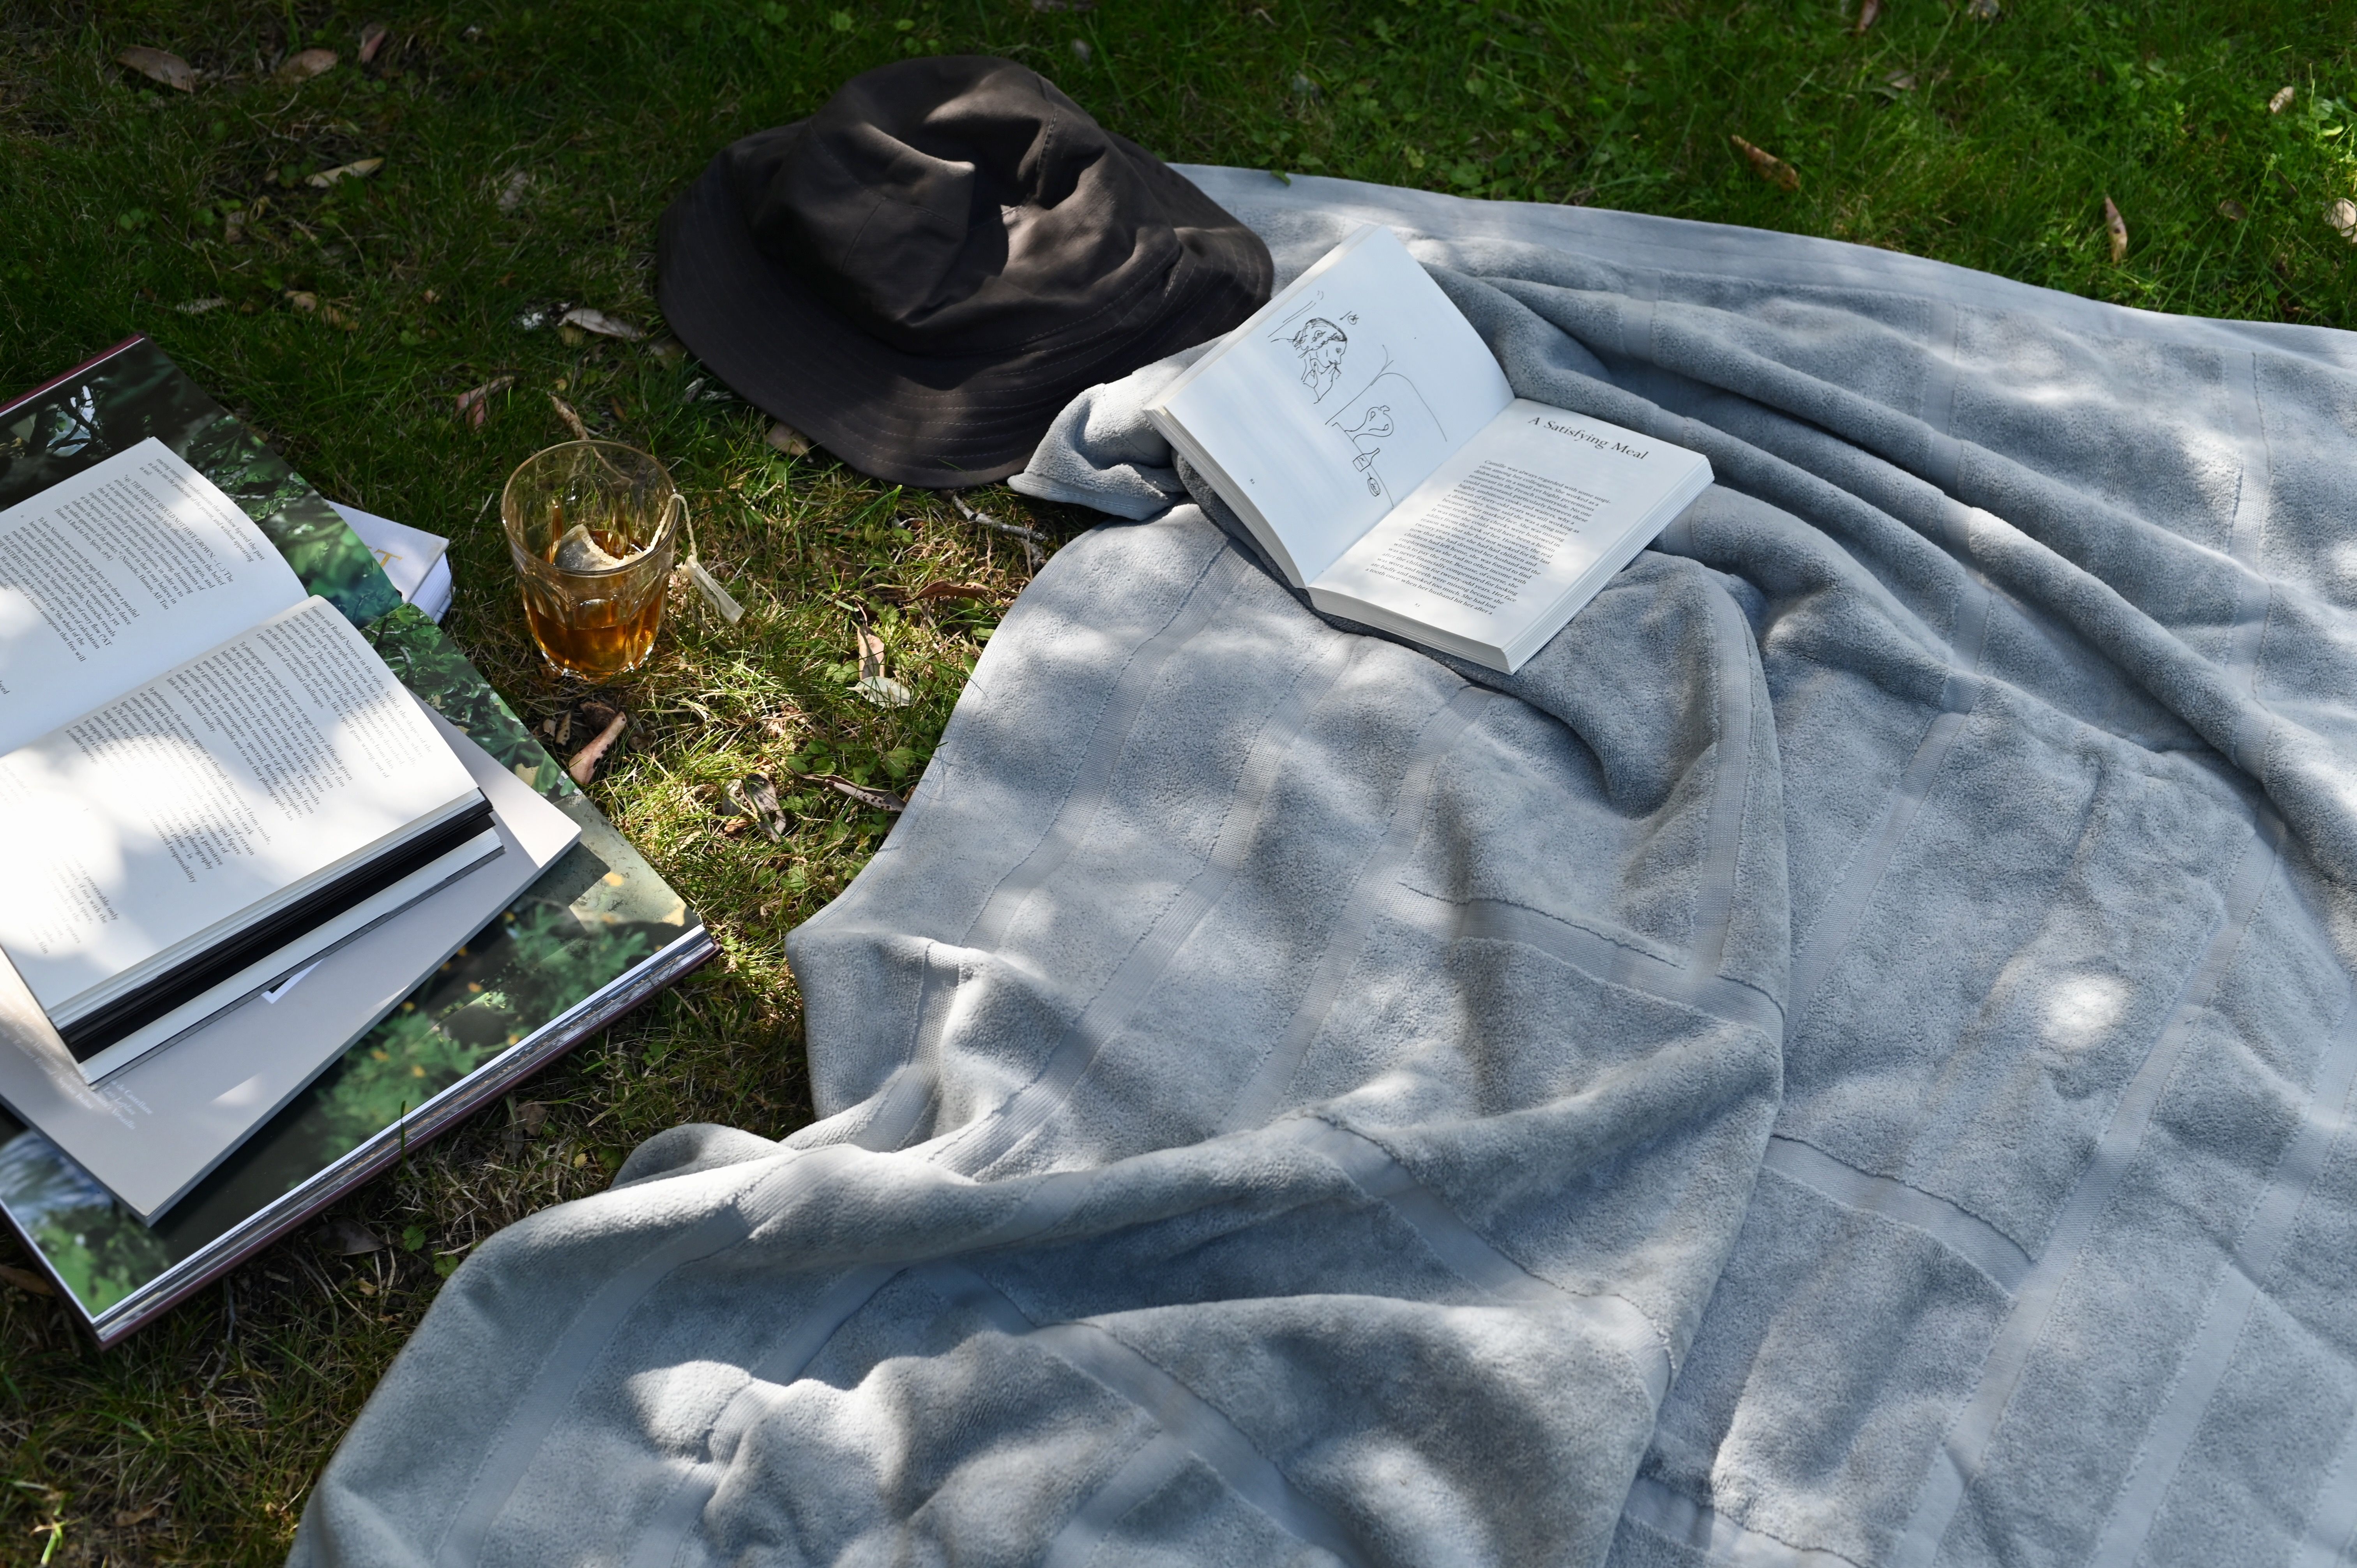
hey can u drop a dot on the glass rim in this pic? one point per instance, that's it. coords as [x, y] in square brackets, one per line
[674, 509]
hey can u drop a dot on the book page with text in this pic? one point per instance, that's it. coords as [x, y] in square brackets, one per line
[1330, 406]
[153, 818]
[112, 577]
[1497, 535]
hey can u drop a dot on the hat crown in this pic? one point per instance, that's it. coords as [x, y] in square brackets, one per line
[954, 207]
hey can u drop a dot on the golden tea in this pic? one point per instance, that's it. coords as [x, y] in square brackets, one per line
[592, 527]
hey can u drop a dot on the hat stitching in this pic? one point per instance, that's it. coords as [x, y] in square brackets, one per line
[827, 151]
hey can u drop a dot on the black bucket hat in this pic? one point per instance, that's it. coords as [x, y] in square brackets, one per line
[922, 273]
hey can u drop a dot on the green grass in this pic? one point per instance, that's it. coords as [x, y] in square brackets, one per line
[1991, 144]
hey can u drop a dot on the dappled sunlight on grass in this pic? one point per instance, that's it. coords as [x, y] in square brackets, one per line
[527, 150]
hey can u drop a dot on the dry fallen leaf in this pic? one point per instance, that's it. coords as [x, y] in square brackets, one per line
[757, 798]
[2343, 216]
[512, 191]
[1866, 13]
[1771, 167]
[605, 326]
[347, 1238]
[475, 403]
[2117, 228]
[2230, 208]
[124, 1519]
[572, 420]
[584, 766]
[531, 1116]
[302, 300]
[334, 318]
[2281, 101]
[789, 440]
[373, 38]
[359, 169]
[26, 1280]
[170, 71]
[873, 683]
[198, 306]
[306, 65]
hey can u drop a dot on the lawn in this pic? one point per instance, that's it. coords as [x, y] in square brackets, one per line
[527, 150]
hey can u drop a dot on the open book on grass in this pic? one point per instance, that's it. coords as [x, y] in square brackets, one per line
[1364, 432]
[208, 776]
[158, 1127]
[596, 933]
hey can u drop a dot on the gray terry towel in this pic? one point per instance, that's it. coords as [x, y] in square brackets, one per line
[1845, 1059]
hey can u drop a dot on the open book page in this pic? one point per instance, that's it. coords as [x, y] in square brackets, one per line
[1539, 505]
[154, 1128]
[1328, 407]
[112, 577]
[287, 752]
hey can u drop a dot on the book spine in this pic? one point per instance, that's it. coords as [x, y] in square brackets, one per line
[94, 1031]
[54, 383]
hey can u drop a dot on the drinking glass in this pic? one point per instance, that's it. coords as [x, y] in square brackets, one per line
[593, 526]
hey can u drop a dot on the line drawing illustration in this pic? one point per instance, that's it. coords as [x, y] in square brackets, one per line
[1321, 342]
[1372, 427]
[1321, 346]
[1386, 413]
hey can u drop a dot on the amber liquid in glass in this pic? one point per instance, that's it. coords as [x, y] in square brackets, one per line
[598, 637]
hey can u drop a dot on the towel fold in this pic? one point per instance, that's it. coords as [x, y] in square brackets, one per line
[1844, 1058]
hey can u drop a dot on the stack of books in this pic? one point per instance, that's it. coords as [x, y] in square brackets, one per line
[289, 887]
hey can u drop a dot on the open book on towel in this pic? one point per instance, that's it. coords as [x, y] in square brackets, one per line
[1363, 432]
[208, 776]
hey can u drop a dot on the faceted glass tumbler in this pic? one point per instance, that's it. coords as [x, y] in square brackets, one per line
[592, 527]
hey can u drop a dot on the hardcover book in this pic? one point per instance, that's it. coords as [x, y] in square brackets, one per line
[596, 933]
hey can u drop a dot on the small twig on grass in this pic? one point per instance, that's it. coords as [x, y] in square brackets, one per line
[1031, 538]
[584, 766]
[882, 800]
[975, 514]
[572, 420]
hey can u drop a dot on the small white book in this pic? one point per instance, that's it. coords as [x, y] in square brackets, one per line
[206, 776]
[416, 563]
[1364, 432]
